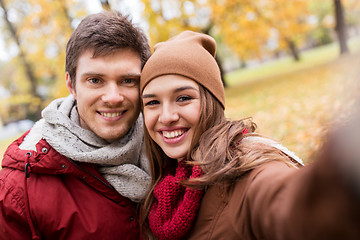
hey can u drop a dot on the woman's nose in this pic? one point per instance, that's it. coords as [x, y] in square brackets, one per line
[168, 115]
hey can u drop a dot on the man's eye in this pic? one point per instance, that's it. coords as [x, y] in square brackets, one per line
[130, 81]
[94, 80]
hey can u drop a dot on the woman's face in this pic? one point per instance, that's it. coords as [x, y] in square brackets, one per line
[172, 112]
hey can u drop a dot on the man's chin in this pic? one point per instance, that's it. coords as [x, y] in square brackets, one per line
[113, 136]
[112, 132]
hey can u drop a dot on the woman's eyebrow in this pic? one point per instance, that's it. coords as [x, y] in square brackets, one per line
[148, 96]
[184, 88]
[175, 91]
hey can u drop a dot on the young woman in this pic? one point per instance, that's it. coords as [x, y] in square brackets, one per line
[216, 179]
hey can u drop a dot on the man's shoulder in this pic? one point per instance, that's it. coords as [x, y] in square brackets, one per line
[11, 178]
[12, 188]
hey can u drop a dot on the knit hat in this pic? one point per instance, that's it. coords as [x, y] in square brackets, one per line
[189, 54]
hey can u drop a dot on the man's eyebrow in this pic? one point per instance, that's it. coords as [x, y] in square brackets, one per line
[92, 74]
[128, 75]
[131, 75]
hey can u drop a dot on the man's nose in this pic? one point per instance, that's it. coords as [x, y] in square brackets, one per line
[112, 95]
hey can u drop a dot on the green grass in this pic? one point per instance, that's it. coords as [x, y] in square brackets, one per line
[309, 58]
[296, 103]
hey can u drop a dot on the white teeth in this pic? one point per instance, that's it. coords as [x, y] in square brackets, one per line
[173, 134]
[110, 115]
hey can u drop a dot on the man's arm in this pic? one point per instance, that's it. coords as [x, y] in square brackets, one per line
[13, 223]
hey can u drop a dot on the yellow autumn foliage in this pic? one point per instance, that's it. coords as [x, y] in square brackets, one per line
[43, 28]
[167, 18]
[247, 26]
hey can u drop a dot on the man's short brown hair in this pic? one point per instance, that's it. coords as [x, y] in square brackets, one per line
[104, 33]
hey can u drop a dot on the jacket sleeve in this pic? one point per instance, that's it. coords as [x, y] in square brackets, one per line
[13, 223]
[315, 202]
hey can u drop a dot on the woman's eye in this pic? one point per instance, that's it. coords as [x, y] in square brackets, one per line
[151, 103]
[184, 98]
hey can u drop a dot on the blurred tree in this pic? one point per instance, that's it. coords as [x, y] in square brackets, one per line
[23, 57]
[322, 19]
[105, 5]
[254, 27]
[45, 30]
[167, 18]
[340, 26]
[40, 29]
[352, 16]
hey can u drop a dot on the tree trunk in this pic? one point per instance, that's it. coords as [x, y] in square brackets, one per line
[293, 49]
[219, 63]
[340, 27]
[27, 65]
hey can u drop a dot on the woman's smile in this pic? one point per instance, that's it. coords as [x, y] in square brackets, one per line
[172, 113]
[173, 134]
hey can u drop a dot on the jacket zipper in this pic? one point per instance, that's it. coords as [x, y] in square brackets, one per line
[91, 174]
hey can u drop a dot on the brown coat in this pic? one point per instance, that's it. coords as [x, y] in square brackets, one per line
[277, 202]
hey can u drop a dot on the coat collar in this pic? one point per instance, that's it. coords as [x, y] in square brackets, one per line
[46, 160]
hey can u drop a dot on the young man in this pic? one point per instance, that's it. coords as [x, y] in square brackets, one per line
[79, 172]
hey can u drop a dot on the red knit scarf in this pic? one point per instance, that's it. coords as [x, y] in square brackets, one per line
[175, 206]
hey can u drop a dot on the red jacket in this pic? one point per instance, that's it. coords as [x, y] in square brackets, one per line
[57, 198]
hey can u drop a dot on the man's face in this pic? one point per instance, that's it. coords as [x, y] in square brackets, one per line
[107, 92]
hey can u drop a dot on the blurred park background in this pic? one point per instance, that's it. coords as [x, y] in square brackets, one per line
[288, 64]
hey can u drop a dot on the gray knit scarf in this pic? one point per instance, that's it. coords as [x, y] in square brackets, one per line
[122, 163]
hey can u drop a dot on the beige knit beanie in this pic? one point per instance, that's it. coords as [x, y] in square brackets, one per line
[189, 54]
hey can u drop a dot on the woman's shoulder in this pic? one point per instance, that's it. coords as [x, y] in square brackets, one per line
[223, 205]
[275, 144]
[252, 143]
[267, 172]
